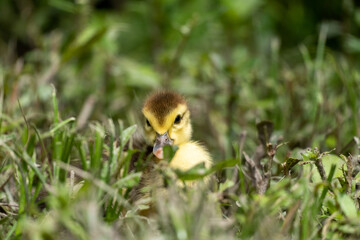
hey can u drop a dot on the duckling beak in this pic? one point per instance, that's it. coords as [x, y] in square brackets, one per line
[160, 142]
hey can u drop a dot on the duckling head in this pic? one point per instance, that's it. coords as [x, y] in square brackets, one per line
[167, 121]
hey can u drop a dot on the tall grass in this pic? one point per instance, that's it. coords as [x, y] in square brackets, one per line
[64, 183]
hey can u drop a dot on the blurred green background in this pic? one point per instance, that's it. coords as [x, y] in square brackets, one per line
[295, 63]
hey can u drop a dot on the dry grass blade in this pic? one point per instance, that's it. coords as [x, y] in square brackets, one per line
[326, 225]
[289, 218]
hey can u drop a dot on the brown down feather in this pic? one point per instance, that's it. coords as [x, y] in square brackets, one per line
[161, 103]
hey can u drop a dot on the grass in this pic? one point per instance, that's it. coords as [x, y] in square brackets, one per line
[279, 118]
[88, 199]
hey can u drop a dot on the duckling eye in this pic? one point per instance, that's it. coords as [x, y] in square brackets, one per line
[177, 119]
[148, 123]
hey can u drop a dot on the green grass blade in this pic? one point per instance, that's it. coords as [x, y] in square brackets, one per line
[65, 155]
[96, 154]
[82, 153]
[126, 134]
[326, 188]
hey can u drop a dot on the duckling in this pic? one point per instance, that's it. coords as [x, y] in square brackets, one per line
[167, 122]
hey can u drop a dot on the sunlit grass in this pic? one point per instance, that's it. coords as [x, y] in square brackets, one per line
[65, 183]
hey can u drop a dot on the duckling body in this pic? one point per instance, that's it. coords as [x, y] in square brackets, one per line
[190, 154]
[167, 122]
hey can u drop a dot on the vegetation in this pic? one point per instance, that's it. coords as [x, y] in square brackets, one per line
[273, 88]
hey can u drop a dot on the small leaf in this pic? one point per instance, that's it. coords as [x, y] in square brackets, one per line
[308, 155]
[129, 181]
[289, 164]
[224, 164]
[332, 159]
[227, 184]
[199, 171]
[169, 152]
[126, 134]
[357, 177]
[347, 205]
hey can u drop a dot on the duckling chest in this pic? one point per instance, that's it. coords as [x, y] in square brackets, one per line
[190, 154]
